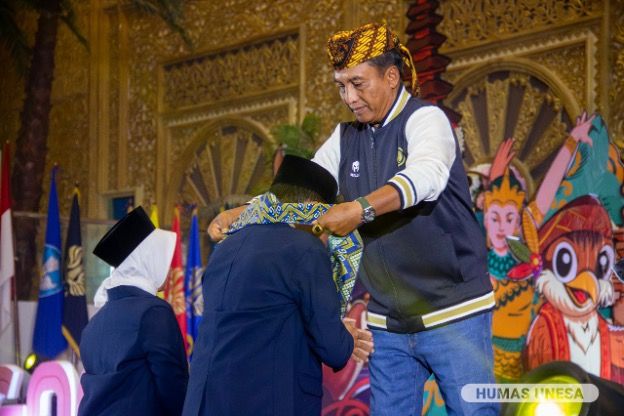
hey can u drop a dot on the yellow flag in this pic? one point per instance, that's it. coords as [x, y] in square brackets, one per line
[154, 218]
[154, 215]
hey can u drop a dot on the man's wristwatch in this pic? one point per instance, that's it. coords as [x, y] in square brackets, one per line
[368, 212]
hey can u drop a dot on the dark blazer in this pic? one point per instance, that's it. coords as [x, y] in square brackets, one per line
[133, 357]
[271, 316]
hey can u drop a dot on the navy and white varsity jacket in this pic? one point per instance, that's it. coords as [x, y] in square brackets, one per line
[424, 265]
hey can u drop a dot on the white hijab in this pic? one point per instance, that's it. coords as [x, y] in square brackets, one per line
[146, 267]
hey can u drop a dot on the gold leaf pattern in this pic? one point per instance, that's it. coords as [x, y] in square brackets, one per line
[496, 93]
[470, 22]
[75, 276]
[469, 126]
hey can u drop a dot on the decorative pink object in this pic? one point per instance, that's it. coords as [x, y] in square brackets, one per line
[51, 378]
[11, 378]
[14, 410]
[54, 378]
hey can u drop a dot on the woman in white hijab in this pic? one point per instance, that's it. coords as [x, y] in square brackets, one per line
[132, 349]
[146, 267]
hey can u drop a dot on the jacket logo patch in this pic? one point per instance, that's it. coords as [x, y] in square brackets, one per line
[355, 169]
[400, 157]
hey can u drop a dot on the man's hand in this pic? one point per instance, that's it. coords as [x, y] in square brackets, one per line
[362, 341]
[341, 219]
[219, 226]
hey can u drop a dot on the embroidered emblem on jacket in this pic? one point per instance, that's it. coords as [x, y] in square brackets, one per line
[355, 169]
[400, 157]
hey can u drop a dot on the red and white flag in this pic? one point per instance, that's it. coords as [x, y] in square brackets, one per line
[174, 289]
[7, 256]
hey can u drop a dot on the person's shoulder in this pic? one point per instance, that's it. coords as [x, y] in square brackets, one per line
[152, 303]
[306, 238]
[261, 235]
[158, 309]
[425, 108]
[291, 235]
[311, 247]
[299, 242]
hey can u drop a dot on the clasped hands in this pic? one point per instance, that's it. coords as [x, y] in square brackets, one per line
[362, 341]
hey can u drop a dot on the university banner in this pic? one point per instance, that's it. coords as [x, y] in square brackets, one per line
[75, 315]
[192, 282]
[48, 339]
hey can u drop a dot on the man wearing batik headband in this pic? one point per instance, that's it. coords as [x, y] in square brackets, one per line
[424, 261]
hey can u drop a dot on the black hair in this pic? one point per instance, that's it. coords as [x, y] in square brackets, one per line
[388, 59]
[286, 192]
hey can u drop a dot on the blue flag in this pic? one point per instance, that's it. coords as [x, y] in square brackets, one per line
[192, 282]
[75, 316]
[48, 340]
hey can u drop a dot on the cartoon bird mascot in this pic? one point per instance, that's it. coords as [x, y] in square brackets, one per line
[576, 247]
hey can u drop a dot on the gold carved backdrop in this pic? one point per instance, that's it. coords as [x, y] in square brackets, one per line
[125, 113]
[526, 69]
[509, 99]
[194, 126]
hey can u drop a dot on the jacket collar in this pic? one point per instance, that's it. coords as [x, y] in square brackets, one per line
[399, 104]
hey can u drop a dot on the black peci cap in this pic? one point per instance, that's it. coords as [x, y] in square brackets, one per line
[304, 173]
[124, 237]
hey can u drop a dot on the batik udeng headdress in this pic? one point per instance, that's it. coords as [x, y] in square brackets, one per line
[352, 47]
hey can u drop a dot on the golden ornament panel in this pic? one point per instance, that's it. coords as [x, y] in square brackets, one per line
[113, 92]
[468, 23]
[68, 144]
[512, 99]
[226, 158]
[616, 92]
[234, 73]
[570, 66]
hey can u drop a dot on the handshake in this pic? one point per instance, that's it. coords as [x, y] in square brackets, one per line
[362, 341]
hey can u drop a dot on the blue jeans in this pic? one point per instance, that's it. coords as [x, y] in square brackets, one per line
[457, 354]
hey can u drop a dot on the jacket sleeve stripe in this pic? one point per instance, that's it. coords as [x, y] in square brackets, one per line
[400, 191]
[412, 186]
[405, 190]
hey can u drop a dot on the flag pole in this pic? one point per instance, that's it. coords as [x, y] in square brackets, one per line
[16, 326]
[13, 278]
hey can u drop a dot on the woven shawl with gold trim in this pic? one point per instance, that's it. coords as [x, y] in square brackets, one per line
[345, 252]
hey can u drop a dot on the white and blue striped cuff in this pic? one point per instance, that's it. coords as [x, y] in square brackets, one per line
[406, 189]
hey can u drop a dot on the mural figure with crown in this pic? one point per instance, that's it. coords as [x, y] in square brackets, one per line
[515, 306]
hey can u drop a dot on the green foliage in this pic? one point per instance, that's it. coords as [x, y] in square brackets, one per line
[14, 39]
[298, 140]
[311, 125]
